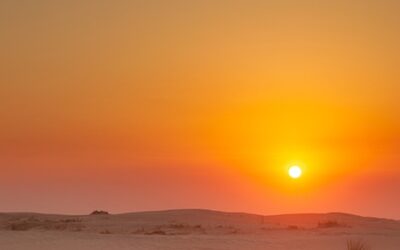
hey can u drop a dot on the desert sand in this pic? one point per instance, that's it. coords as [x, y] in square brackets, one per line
[194, 229]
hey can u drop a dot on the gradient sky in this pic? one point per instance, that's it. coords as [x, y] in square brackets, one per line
[146, 105]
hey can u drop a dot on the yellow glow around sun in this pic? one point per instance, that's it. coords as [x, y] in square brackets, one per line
[295, 172]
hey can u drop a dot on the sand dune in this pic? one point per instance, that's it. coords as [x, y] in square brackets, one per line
[194, 229]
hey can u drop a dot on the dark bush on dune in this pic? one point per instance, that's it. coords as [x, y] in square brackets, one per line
[99, 212]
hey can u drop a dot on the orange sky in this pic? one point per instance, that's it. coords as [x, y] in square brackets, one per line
[143, 105]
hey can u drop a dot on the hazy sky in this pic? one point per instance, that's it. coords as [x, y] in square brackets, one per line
[143, 105]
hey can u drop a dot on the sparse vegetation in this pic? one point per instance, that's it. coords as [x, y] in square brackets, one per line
[357, 245]
[30, 223]
[170, 229]
[73, 220]
[21, 226]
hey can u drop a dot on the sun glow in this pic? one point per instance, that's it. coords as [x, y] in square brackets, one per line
[295, 172]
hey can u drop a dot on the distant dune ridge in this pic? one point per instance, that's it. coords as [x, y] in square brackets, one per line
[206, 228]
[191, 221]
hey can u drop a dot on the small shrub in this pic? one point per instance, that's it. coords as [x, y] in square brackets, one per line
[158, 232]
[105, 232]
[177, 226]
[356, 245]
[329, 224]
[18, 227]
[60, 227]
[139, 231]
[233, 231]
[77, 228]
[293, 227]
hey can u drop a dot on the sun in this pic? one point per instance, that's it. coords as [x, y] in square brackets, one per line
[295, 172]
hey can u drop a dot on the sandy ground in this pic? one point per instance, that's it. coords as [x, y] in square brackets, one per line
[194, 229]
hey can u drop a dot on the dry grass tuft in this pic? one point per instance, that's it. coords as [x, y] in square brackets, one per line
[357, 245]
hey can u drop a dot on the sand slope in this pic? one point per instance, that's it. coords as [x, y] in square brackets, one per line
[194, 229]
